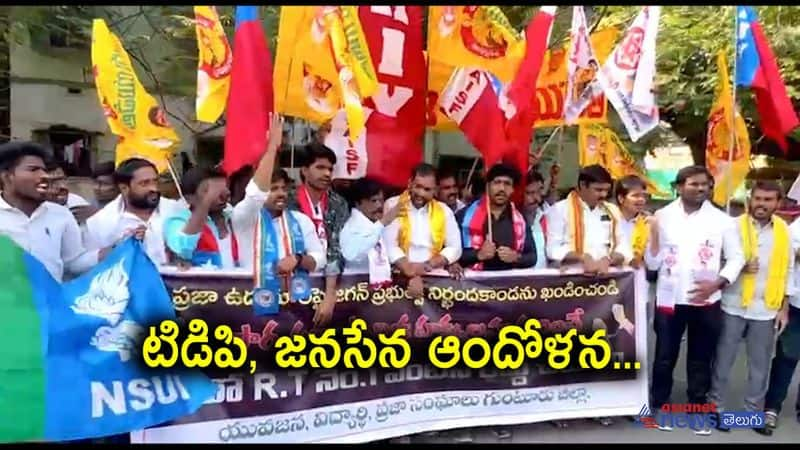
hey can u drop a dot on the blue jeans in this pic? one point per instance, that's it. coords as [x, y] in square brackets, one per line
[783, 367]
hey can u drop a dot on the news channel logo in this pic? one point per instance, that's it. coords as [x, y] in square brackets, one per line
[696, 419]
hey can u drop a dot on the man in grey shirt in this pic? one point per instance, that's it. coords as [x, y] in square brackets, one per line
[754, 307]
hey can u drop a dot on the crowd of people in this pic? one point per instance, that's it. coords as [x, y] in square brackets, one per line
[723, 279]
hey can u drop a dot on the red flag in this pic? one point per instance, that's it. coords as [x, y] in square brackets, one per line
[471, 102]
[520, 109]
[251, 99]
[757, 68]
[396, 128]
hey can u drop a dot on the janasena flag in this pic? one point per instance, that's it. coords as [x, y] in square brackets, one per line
[498, 123]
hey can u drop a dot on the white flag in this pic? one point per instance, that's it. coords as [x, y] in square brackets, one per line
[351, 160]
[627, 76]
[582, 68]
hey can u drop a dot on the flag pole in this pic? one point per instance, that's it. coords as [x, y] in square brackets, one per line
[732, 145]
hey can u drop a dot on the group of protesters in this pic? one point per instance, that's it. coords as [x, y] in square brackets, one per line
[724, 279]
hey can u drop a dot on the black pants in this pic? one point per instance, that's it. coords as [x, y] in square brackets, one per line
[783, 366]
[704, 323]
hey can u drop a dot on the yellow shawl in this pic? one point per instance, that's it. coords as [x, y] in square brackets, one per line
[576, 226]
[775, 287]
[436, 217]
[640, 235]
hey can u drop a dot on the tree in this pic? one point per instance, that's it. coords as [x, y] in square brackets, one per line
[159, 39]
[688, 40]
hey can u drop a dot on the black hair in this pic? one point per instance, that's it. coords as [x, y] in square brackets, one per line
[769, 186]
[314, 151]
[444, 174]
[125, 170]
[280, 174]
[594, 173]
[11, 153]
[424, 170]
[364, 188]
[533, 177]
[194, 177]
[103, 169]
[690, 171]
[477, 187]
[54, 164]
[503, 170]
[626, 184]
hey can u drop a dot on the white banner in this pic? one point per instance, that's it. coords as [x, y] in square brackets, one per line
[627, 76]
[582, 68]
[351, 159]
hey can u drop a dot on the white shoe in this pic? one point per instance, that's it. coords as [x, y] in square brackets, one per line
[665, 428]
[703, 432]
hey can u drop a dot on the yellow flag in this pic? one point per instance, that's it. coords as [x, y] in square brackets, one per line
[132, 113]
[469, 36]
[551, 86]
[305, 79]
[728, 176]
[598, 144]
[480, 36]
[213, 64]
[323, 63]
[357, 77]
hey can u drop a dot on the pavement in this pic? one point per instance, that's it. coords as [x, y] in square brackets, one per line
[623, 430]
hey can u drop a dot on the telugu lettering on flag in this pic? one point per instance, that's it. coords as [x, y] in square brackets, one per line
[132, 114]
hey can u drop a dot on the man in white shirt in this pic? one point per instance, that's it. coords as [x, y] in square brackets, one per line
[269, 191]
[787, 350]
[46, 230]
[688, 240]
[362, 240]
[425, 235]
[138, 210]
[753, 307]
[59, 193]
[202, 235]
[584, 228]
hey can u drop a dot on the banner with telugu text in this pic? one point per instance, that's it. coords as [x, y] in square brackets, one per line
[359, 405]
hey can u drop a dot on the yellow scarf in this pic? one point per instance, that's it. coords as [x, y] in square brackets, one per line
[775, 287]
[575, 222]
[640, 235]
[435, 218]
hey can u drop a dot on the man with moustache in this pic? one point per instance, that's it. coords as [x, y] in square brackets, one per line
[327, 210]
[688, 240]
[507, 243]
[139, 210]
[286, 244]
[448, 191]
[58, 192]
[46, 230]
[105, 190]
[584, 228]
[425, 235]
[202, 234]
[787, 349]
[754, 306]
[363, 246]
[534, 209]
